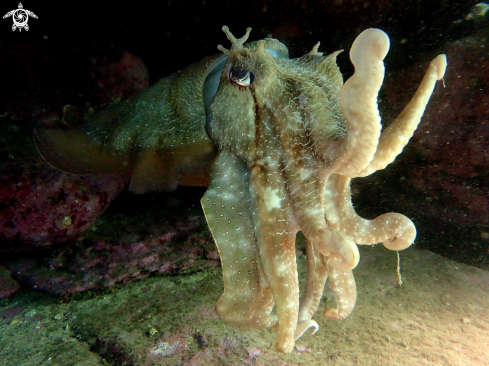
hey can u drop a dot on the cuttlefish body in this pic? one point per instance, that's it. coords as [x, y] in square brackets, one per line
[290, 136]
[286, 137]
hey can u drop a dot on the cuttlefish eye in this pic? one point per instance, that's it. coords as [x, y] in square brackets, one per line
[242, 78]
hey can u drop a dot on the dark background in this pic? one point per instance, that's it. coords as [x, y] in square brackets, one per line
[168, 35]
[42, 70]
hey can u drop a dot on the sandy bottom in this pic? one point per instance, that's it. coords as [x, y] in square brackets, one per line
[440, 316]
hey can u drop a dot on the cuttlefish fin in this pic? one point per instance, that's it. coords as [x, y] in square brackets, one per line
[164, 169]
[149, 169]
[75, 117]
[156, 138]
[71, 151]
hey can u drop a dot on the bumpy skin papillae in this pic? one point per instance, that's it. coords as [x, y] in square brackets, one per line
[157, 138]
[300, 148]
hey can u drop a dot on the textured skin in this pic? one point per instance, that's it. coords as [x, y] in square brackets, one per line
[289, 144]
[156, 138]
[284, 145]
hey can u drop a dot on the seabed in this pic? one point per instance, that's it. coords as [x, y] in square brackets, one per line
[437, 317]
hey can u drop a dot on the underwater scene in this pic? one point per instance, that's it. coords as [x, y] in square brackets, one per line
[244, 183]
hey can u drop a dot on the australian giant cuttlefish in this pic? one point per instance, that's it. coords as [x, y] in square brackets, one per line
[277, 141]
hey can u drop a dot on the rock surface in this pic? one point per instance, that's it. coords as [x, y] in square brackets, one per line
[442, 177]
[439, 316]
[41, 207]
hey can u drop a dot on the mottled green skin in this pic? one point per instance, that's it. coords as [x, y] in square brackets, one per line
[156, 138]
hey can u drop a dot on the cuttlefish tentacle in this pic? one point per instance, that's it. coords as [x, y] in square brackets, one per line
[395, 231]
[247, 300]
[397, 134]
[317, 275]
[340, 262]
[358, 99]
[276, 241]
[345, 289]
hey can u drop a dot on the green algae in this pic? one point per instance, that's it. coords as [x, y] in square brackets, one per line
[437, 316]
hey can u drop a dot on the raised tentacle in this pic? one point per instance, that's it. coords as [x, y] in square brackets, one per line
[395, 231]
[397, 134]
[358, 100]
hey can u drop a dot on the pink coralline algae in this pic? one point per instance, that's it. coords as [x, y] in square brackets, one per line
[102, 262]
[451, 146]
[41, 207]
[118, 76]
[455, 137]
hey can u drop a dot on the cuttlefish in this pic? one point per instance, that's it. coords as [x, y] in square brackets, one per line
[277, 141]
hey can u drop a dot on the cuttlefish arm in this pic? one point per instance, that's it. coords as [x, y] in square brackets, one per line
[358, 99]
[247, 300]
[365, 150]
[317, 275]
[394, 230]
[397, 134]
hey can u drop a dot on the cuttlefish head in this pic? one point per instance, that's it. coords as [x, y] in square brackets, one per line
[250, 73]
[262, 91]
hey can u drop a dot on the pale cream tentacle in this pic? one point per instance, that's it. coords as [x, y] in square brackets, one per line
[395, 231]
[276, 241]
[345, 289]
[358, 100]
[317, 273]
[397, 134]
